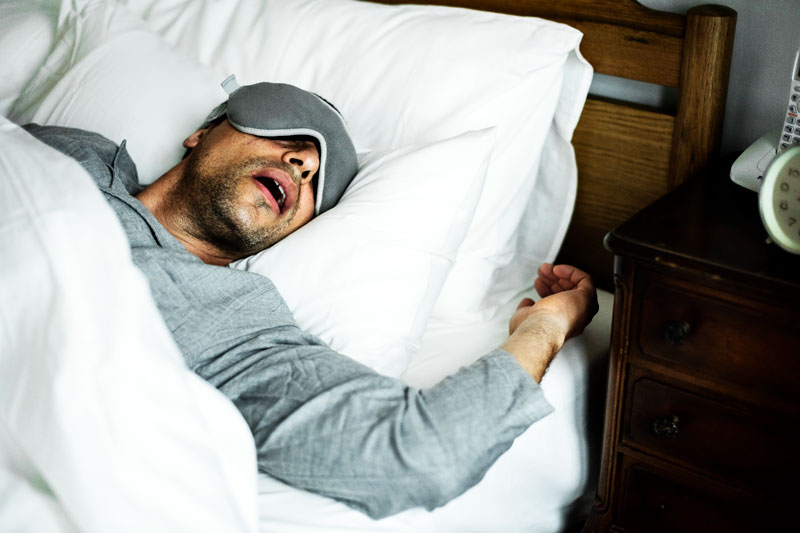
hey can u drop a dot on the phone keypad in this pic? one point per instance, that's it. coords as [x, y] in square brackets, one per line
[791, 128]
[790, 136]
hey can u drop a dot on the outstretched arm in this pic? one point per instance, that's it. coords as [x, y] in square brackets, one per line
[538, 330]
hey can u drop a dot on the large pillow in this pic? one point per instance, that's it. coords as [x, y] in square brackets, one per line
[415, 74]
[27, 31]
[102, 426]
[107, 72]
[364, 276]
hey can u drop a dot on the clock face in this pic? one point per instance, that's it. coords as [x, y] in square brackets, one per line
[779, 200]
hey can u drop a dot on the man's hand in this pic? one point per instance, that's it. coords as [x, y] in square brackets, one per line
[567, 292]
[539, 330]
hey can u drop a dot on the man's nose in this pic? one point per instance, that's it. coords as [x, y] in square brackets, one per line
[305, 159]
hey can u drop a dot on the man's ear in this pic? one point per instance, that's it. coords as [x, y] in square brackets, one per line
[194, 139]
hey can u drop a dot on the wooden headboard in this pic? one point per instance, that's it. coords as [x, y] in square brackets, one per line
[629, 155]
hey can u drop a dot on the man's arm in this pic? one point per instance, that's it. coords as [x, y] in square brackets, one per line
[381, 447]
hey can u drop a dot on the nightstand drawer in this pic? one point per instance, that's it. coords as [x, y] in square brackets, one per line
[719, 339]
[708, 435]
[655, 501]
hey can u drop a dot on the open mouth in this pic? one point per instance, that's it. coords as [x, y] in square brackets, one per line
[278, 186]
[275, 189]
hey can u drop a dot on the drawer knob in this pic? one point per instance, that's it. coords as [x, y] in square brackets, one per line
[676, 332]
[666, 427]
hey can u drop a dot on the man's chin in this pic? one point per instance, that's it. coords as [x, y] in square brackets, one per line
[253, 243]
[245, 235]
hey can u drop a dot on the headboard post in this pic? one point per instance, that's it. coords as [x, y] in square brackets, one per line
[705, 66]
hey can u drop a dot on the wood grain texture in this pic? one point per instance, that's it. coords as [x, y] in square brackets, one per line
[623, 157]
[704, 86]
[631, 53]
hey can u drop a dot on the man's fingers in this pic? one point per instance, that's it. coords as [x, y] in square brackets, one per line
[546, 283]
[541, 287]
[568, 273]
[553, 279]
[566, 284]
[571, 276]
[547, 287]
[546, 271]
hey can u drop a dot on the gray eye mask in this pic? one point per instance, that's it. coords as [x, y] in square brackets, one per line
[281, 110]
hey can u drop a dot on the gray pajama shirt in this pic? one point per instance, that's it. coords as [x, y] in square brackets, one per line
[320, 420]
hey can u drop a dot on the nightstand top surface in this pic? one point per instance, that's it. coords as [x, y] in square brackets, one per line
[708, 223]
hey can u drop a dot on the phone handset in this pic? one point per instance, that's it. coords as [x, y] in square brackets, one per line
[790, 135]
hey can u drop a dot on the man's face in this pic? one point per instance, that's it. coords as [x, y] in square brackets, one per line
[245, 193]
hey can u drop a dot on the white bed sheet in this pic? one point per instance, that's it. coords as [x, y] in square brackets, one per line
[544, 483]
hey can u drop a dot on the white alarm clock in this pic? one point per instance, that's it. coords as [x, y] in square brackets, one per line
[779, 200]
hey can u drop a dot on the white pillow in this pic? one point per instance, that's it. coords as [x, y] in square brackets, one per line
[101, 423]
[109, 73]
[365, 275]
[415, 74]
[27, 31]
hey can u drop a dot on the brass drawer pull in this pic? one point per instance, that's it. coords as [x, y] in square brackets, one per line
[666, 427]
[676, 332]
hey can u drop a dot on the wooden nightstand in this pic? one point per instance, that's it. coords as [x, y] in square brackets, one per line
[702, 414]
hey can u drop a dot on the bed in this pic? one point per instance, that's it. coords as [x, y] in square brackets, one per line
[481, 104]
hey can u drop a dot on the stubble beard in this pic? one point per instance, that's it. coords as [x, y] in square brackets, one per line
[213, 210]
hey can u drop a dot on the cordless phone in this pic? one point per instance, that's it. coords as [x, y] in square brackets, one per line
[779, 195]
[748, 170]
[790, 134]
[774, 172]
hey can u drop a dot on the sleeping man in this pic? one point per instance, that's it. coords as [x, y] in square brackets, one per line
[262, 165]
